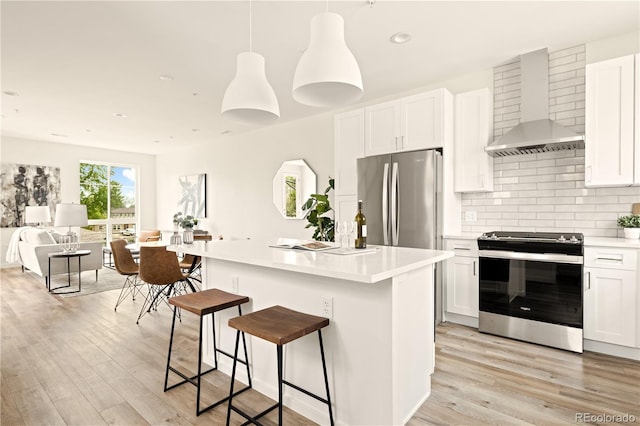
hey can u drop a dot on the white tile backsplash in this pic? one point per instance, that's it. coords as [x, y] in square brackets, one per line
[545, 191]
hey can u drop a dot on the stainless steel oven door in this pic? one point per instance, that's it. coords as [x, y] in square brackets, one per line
[532, 286]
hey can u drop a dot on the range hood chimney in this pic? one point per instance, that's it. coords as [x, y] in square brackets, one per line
[536, 132]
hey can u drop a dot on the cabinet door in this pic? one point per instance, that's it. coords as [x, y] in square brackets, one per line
[349, 146]
[610, 306]
[382, 128]
[346, 207]
[609, 147]
[421, 121]
[462, 286]
[473, 167]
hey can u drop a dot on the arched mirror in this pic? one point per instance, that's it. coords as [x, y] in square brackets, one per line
[293, 183]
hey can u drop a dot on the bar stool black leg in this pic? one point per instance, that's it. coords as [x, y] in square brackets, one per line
[173, 326]
[233, 376]
[326, 379]
[279, 350]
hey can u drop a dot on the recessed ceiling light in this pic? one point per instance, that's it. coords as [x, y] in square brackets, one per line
[88, 130]
[399, 38]
[10, 93]
[156, 141]
[119, 115]
[166, 78]
[225, 132]
[195, 130]
[59, 135]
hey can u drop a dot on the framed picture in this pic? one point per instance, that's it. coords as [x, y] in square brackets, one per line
[26, 185]
[192, 199]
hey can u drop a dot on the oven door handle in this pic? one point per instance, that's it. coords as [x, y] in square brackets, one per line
[538, 257]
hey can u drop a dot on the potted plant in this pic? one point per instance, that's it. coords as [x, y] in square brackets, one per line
[187, 223]
[631, 225]
[317, 208]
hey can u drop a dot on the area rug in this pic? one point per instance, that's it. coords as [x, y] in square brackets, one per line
[108, 279]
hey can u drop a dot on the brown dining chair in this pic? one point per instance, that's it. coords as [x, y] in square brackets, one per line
[125, 265]
[160, 270]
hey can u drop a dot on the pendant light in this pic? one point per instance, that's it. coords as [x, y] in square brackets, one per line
[327, 73]
[249, 98]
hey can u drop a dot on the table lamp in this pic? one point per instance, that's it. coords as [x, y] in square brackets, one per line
[70, 214]
[37, 214]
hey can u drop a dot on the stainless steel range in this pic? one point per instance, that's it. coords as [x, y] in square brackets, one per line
[531, 287]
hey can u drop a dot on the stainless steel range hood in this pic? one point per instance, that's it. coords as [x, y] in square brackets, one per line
[536, 132]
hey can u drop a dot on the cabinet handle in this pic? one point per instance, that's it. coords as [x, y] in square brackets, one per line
[402, 142]
[461, 248]
[396, 138]
[588, 280]
[474, 268]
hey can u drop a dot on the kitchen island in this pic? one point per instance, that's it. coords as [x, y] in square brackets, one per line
[380, 342]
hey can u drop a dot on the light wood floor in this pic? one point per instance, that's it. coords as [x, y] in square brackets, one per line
[76, 361]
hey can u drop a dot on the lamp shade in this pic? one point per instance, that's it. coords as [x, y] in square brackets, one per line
[250, 99]
[327, 73]
[37, 214]
[69, 214]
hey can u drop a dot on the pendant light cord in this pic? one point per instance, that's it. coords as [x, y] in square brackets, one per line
[250, 35]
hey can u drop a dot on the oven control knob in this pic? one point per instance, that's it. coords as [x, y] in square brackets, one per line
[573, 239]
[494, 237]
[562, 239]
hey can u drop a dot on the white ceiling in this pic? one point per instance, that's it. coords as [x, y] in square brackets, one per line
[74, 64]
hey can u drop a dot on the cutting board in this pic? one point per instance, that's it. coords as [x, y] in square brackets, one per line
[635, 208]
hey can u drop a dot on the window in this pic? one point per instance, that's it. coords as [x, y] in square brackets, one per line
[109, 192]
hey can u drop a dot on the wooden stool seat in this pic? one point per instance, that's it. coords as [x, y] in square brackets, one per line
[278, 324]
[207, 301]
[203, 303]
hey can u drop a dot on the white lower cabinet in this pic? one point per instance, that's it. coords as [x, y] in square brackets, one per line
[610, 295]
[461, 278]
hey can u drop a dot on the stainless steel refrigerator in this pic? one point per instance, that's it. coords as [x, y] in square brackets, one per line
[401, 198]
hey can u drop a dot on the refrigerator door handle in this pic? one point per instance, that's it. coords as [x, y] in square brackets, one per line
[385, 204]
[394, 205]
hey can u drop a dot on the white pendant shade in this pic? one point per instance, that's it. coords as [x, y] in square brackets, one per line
[250, 99]
[328, 73]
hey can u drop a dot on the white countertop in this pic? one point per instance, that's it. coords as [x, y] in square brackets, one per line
[372, 267]
[611, 242]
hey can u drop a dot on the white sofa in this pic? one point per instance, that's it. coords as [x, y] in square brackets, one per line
[35, 245]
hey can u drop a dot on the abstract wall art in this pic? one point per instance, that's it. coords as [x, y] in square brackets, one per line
[26, 185]
[192, 199]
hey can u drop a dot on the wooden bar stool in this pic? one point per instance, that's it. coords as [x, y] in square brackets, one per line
[278, 325]
[203, 303]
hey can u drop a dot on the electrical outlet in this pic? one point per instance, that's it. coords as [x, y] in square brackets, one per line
[471, 216]
[234, 284]
[327, 307]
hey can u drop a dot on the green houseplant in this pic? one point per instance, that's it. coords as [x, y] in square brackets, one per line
[186, 222]
[317, 208]
[631, 225]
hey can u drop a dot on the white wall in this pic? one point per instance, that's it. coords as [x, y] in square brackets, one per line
[67, 158]
[240, 171]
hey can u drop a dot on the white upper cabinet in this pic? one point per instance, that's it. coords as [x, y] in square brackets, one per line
[406, 124]
[609, 123]
[349, 146]
[473, 167]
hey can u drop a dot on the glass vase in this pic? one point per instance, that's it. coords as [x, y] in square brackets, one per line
[187, 236]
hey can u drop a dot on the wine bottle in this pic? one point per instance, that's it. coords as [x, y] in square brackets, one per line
[361, 222]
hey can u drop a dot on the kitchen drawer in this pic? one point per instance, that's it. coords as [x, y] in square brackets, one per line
[611, 258]
[465, 248]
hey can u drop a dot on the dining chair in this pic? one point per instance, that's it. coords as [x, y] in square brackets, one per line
[126, 265]
[160, 270]
[148, 236]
